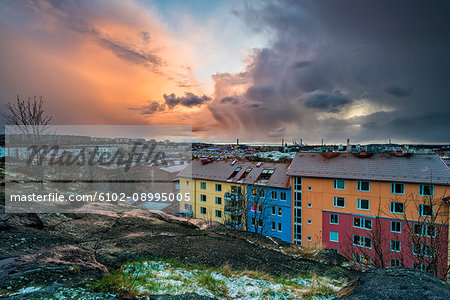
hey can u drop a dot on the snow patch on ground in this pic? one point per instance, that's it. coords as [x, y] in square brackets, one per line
[157, 277]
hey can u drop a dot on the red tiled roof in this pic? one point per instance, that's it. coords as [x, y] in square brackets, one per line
[222, 170]
[418, 168]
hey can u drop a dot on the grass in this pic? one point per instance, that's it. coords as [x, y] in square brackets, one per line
[145, 278]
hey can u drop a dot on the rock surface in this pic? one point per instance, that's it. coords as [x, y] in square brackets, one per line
[397, 283]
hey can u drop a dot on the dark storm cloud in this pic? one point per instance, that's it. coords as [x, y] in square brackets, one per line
[325, 102]
[150, 109]
[130, 54]
[398, 91]
[371, 51]
[233, 100]
[188, 100]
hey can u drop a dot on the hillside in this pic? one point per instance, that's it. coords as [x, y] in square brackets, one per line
[96, 256]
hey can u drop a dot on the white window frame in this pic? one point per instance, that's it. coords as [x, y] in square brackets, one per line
[337, 236]
[201, 209]
[285, 196]
[421, 210]
[393, 189]
[220, 200]
[394, 242]
[401, 213]
[218, 185]
[201, 197]
[400, 226]
[331, 222]
[218, 210]
[335, 200]
[335, 185]
[203, 185]
[359, 186]
[421, 189]
[276, 195]
[358, 204]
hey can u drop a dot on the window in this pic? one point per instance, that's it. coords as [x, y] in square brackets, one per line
[260, 223]
[280, 212]
[203, 185]
[397, 188]
[273, 210]
[218, 201]
[187, 182]
[274, 195]
[362, 241]
[218, 214]
[254, 192]
[332, 250]
[309, 205]
[424, 230]
[279, 227]
[262, 193]
[396, 263]
[274, 227]
[363, 204]
[309, 188]
[218, 187]
[397, 207]
[283, 196]
[426, 190]
[203, 198]
[334, 219]
[396, 227]
[422, 267]
[265, 174]
[260, 207]
[339, 184]
[422, 250]
[309, 239]
[338, 202]
[334, 236]
[395, 246]
[363, 186]
[425, 210]
[253, 222]
[203, 210]
[362, 259]
[309, 221]
[362, 223]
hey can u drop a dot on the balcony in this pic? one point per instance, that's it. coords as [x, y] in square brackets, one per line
[231, 196]
[232, 210]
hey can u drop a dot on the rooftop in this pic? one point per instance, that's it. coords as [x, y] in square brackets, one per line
[379, 167]
[239, 171]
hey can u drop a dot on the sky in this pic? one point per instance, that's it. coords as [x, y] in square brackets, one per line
[259, 71]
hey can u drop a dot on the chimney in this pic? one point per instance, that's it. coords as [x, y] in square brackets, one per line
[348, 146]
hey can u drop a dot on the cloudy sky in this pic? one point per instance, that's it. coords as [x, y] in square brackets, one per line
[255, 70]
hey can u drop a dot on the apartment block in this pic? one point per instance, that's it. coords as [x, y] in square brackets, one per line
[251, 195]
[377, 209]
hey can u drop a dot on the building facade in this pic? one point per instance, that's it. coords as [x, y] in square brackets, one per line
[254, 196]
[380, 209]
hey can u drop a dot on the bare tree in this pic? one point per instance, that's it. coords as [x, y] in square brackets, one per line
[428, 233]
[259, 201]
[29, 113]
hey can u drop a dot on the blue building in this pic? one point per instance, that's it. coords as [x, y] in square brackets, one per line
[269, 203]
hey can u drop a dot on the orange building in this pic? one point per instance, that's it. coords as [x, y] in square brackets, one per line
[341, 199]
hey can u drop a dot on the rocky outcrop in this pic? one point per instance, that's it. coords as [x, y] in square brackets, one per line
[396, 283]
